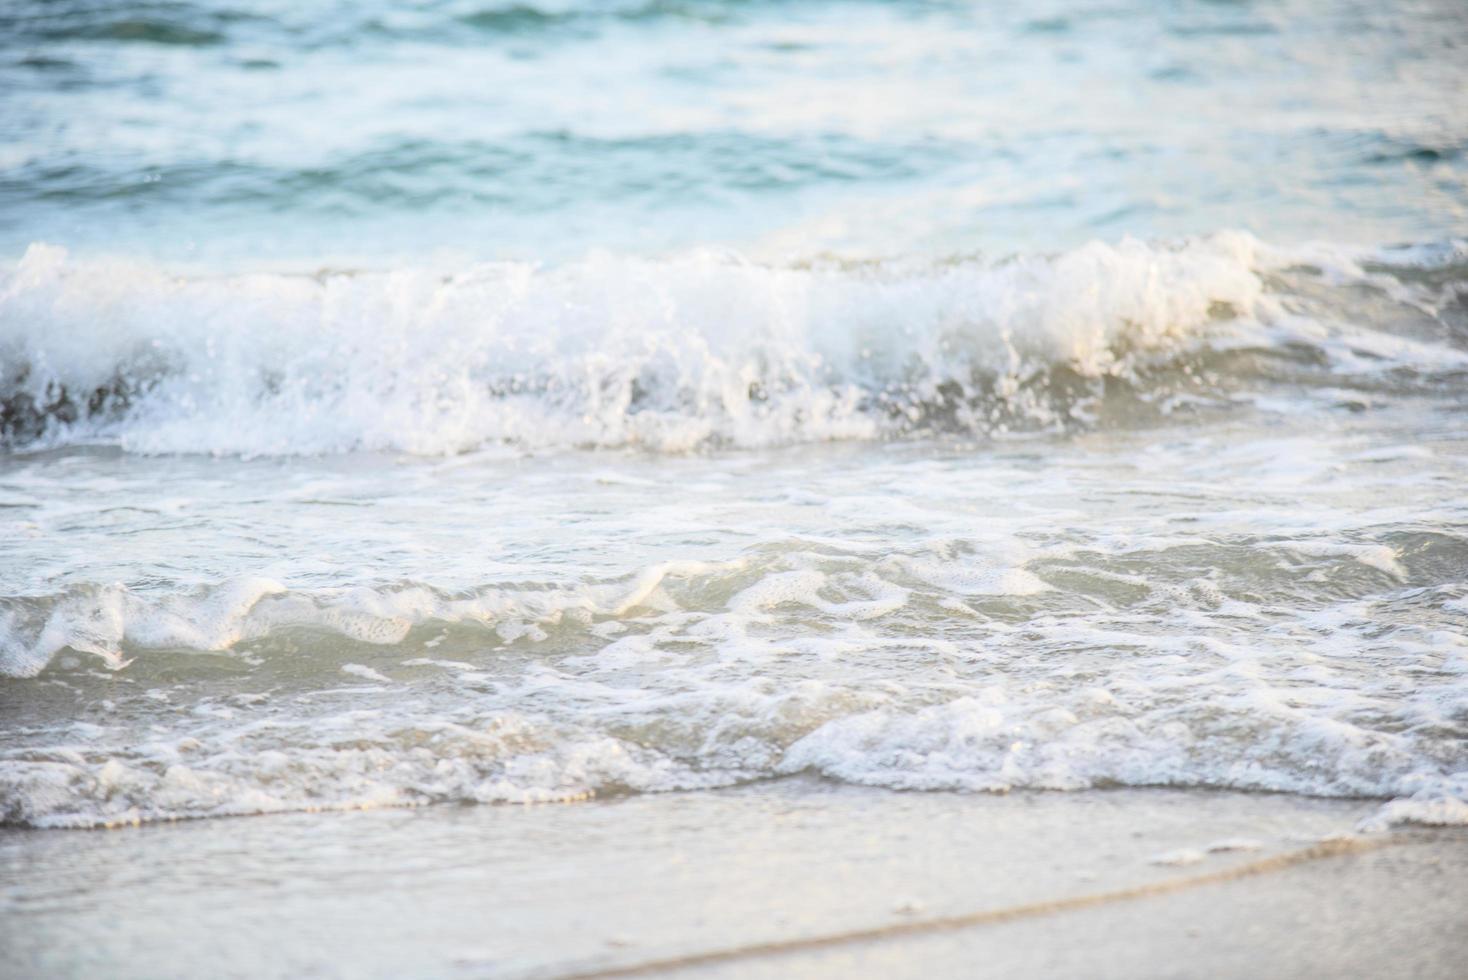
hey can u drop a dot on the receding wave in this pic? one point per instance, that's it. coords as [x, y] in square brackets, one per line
[690, 674]
[706, 349]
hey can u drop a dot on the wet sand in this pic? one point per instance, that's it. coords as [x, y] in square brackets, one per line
[789, 878]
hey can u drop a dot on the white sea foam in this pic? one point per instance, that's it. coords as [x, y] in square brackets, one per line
[101, 621]
[365, 672]
[609, 351]
[1265, 600]
[1438, 801]
[413, 752]
[716, 673]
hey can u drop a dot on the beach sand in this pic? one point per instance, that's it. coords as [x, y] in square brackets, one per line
[791, 878]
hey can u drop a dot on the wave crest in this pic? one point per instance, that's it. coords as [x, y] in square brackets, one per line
[703, 349]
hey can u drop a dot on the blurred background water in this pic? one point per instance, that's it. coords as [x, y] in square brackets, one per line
[233, 132]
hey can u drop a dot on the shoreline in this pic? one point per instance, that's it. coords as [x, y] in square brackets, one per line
[794, 877]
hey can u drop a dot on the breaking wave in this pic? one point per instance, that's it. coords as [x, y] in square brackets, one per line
[705, 349]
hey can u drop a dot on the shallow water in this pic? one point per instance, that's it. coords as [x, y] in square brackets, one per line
[1113, 608]
[468, 403]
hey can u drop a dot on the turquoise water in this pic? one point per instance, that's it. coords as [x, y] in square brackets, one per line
[374, 133]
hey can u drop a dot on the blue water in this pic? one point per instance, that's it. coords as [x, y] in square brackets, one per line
[239, 134]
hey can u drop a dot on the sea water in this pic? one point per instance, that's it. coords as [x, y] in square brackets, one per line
[466, 401]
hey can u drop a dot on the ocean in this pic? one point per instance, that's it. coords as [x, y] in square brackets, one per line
[409, 405]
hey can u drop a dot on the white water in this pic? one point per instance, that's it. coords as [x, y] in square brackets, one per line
[1266, 604]
[679, 353]
[482, 403]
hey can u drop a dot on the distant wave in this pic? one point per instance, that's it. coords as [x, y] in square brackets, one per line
[533, 172]
[199, 25]
[705, 349]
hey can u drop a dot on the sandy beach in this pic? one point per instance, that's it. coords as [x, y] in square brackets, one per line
[795, 878]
